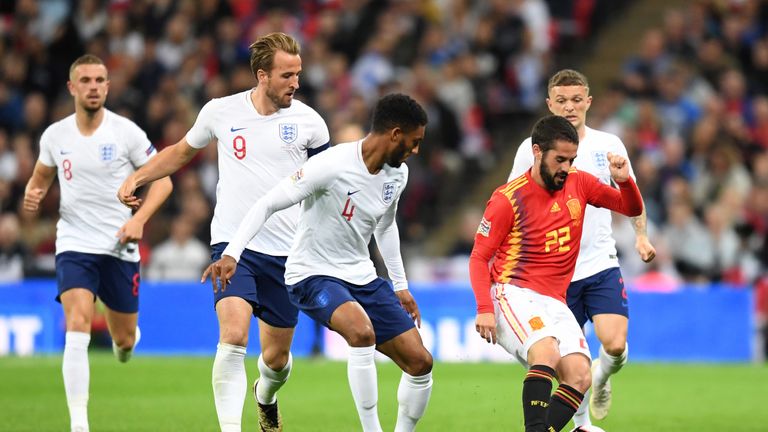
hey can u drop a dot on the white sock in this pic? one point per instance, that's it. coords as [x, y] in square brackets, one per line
[412, 397]
[361, 372]
[77, 376]
[270, 381]
[581, 417]
[609, 365]
[125, 355]
[230, 385]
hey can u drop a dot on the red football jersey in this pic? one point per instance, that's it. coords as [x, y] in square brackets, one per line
[533, 234]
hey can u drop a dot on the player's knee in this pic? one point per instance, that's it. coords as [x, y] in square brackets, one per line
[275, 357]
[79, 322]
[615, 347]
[124, 341]
[361, 336]
[420, 364]
[234, 336]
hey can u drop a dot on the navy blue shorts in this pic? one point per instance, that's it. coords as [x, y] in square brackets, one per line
[114, 281]
[319, 296]
[260, 280]
[601, 293]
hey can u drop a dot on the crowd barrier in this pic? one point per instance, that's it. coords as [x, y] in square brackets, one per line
[712, 324]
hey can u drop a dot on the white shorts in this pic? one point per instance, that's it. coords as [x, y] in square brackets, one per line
[524, 317]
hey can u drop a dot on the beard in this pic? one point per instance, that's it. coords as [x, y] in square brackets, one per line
[550, 180]
[276, 99]
[397, 157]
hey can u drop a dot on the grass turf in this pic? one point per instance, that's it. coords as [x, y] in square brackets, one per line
[174, 394]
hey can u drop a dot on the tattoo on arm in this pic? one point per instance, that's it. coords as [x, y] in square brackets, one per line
[639, 223]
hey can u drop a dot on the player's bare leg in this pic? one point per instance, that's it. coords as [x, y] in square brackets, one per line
[408, 352]
[78, 312]
[353, 324]
[611, 330]
[230, 383]
[125, 334]
[275, 364]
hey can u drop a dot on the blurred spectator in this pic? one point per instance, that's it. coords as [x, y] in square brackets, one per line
[688, 241]
[180, 258]
[13, 254]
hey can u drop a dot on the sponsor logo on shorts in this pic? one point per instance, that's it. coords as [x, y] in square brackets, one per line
[536, 323]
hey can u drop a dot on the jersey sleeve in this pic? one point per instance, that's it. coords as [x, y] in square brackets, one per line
[388, 240]
[46, 157]
[202, 131]
[627, 200]
[320, 139]
[494, 228]
[523, 160]
[140, 148]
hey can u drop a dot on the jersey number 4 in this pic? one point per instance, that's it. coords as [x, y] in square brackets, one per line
[558, 238]
[349, 209]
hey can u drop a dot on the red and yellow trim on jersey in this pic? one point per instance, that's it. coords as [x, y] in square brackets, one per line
[514, 239]
[509, 315]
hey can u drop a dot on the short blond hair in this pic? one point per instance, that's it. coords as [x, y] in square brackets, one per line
[263, 50]
[568, 77]
[85, 60]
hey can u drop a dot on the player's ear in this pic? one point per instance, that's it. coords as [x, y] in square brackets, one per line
[396, 134]
[536, 151]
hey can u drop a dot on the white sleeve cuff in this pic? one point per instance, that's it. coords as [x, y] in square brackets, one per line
[400, 285]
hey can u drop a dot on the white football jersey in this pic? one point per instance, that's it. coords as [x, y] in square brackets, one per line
[598, 249]
[91, 170]
[343, 205]
[255, 153]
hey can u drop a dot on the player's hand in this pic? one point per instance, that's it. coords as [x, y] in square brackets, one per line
[409, 303]
[619, 167]
[126, 193]
[133, 230]
[32, 199]
[645, 248]
[485, 324]
[221, 273]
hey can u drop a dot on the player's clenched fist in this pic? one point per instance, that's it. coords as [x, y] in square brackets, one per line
[32, 198]
[220, 271]
[619, 167]
[126, 193]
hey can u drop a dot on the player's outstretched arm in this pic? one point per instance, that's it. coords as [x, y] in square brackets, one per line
[162, 165]
[133, 229]
[275, 200]
[37, 186]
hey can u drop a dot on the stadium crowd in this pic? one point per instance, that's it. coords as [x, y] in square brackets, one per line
[473, 65]
[691, 105]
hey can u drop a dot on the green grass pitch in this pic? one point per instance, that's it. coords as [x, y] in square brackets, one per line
[174, 394]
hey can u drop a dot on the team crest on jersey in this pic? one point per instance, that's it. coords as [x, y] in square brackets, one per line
[388, 192]
[289, 132]
[107, 152]
[574, 208]
[600, 160]
[485, 228]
